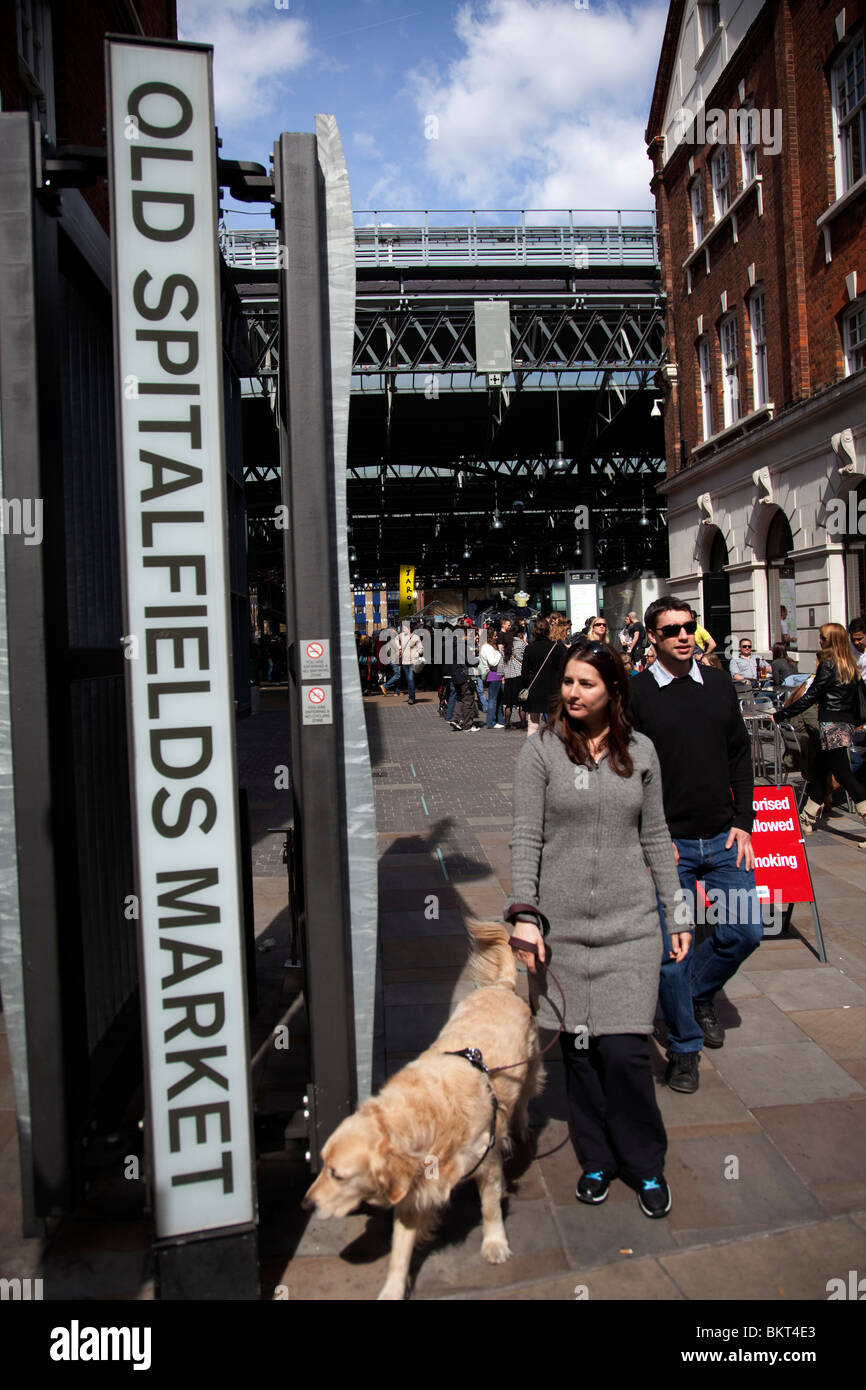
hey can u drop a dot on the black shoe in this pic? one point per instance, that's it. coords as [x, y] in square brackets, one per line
[593, 1187]
[682, 1072]
[654, 1195]
[705, 1018]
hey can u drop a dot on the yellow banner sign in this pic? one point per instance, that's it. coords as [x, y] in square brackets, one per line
[407, 590]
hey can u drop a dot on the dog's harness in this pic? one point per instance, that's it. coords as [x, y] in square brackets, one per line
[473, 1056]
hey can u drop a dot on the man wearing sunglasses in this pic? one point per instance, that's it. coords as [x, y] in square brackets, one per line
[745, 665]
[693, 717]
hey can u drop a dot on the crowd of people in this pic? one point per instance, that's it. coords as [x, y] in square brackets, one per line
[640, 759]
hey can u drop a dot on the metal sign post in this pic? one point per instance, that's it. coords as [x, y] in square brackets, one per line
[168, 362]
[318, 733]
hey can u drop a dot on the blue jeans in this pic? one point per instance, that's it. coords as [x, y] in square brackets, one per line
[395, 679]
[710, 965]
[494, 703]
[452, 701]
[482, 692]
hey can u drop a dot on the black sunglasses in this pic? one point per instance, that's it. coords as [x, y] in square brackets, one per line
[674, 629]
[581, 645]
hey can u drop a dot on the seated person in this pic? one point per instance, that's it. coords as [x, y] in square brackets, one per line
[744, 666]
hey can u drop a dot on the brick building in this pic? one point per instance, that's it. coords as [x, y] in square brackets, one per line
[757, 135]
[52, 65]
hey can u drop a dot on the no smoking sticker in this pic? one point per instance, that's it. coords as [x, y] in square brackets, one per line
[315, 659]
[316, 707]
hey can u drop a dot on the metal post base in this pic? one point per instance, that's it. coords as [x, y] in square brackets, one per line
[217, 1266]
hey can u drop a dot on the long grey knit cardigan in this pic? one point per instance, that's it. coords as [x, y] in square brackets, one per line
[580, 847]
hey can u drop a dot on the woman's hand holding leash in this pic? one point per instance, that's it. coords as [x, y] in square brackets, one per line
[529, 932]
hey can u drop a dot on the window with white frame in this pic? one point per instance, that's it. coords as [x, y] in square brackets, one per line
[758, 327]
[730, 341]
[749, 153]
[705, 372]
[854, 337]
[849, 105]
[709, 16]
[721, 171]
[697, 201]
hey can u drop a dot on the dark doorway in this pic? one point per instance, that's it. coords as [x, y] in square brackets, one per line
[717, 595]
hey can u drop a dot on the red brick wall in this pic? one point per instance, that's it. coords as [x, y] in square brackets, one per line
[785, 64]
[78, 32]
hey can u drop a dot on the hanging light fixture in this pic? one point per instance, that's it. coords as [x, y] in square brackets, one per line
[656, 403]
[560, 463]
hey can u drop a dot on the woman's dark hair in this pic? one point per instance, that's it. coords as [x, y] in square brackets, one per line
[780, 651]
[607, 662]
[541, 629]
[506, 643]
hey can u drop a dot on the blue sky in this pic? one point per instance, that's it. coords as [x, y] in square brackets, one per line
[486, 104]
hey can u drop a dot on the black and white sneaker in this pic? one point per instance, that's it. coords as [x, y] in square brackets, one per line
[654, 1197]
[593, 1187]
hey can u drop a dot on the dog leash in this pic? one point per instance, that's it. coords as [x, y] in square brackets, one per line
[532, 948]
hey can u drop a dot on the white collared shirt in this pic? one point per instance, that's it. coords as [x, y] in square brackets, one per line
[664, 676]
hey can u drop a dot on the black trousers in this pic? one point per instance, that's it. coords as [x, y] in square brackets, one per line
[837, 762]
[615, 1120]
[464, 709]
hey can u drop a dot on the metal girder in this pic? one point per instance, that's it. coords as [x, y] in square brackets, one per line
[624, 339]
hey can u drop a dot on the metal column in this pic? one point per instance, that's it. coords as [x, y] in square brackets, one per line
[312, 615]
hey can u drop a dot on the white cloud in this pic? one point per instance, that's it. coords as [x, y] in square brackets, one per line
[256, 46]
[546, 105]
[366, 144]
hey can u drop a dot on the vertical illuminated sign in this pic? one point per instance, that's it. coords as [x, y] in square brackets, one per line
[407, 590]
[168, 361]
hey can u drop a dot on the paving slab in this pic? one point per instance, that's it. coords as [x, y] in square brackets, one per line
[788, 1265]
[824, 1143]
[731, 1185]
[783, 1073]
[760, 1023]
[628, 1280]
[840, 1032]
[454, 1260]
[825, 987]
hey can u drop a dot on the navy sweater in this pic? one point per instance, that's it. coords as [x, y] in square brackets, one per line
[703, 748]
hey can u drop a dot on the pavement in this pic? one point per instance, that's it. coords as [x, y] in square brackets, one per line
[765, 1162]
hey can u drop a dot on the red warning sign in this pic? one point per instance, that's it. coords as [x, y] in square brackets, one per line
[315, 694]
[780, 855]
[315, 651]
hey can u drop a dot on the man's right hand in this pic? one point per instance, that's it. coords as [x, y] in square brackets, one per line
[528, 931]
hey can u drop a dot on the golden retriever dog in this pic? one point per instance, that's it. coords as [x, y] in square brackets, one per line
[431, 1125]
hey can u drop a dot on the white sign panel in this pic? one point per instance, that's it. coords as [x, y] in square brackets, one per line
[316, 704]
[316, 659]
[168, 353]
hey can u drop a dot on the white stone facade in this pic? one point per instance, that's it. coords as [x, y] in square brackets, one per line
[801, 462]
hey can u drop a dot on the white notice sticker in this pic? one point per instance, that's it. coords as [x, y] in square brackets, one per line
[316, 707]
[315, 659]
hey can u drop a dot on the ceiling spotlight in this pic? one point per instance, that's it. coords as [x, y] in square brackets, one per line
[467, 553]
[656, 403]
[496, 523]
[644, 519]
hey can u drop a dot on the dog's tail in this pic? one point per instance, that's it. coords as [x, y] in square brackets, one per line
[492, 961]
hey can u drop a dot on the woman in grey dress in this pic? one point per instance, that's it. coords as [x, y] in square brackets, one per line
[588, 821]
